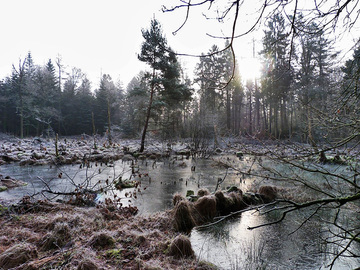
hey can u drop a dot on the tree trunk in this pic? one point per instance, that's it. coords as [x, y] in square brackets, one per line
[291, 119]
[148, 113]
[21, 117]
[228, 110]
[309, 122]
[265, 125]
[257, 108]
[250, 114]
[216, 141]
[58, 62]
[270, 118]
[109, 121]
[284, 125]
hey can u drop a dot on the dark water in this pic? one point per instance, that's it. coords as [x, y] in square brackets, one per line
[230, 245]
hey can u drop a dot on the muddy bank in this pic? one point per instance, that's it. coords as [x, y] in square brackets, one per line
[103, 237]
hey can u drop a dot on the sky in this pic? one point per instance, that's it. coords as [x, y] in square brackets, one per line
[104, 37]
[99, 37]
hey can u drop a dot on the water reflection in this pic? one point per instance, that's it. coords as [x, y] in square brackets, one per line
[230, 245]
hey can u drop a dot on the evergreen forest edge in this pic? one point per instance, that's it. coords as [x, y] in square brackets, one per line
[302, 92]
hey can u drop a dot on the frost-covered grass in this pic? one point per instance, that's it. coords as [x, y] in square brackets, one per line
[68, 237]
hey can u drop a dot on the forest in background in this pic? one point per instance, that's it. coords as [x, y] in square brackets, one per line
[302, 93]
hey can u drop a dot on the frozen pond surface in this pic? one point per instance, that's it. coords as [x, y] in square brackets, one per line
[230, 245]
[162, 179]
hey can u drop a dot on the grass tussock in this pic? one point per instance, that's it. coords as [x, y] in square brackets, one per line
[57, 236]
[268, 193]
[101, 240]
[205, 208]
[178, 198]
[180, 247]
[237, 201]
[17, 255]
[229, 202]
[183, 217]
[203, 192]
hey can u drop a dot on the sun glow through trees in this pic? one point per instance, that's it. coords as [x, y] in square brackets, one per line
[249, 68]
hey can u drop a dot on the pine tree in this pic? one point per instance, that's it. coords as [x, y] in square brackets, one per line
[314, 84]
[44, 97]
[84, 102]
[135, 102]
[164, 78]
[68, 101]
[152, 51]
[105, 98]
[18, 84]
[278, 75]
[217, 77]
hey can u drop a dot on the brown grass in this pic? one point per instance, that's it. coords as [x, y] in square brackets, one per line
[17, 255]
[231, 202]
[183, 217]
[180, 247]
[222, 202]
[177, 198]
[237, 201]
[101, 240]
[58, 238]
[203, 192]
[139, 241]
[205, 208]
[268, 193]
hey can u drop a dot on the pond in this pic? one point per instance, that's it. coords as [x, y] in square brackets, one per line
[229, 245]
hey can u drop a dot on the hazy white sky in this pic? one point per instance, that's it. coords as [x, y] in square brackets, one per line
[95, 36]
[102, 36]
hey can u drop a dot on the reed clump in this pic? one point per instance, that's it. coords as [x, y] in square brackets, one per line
[180, 247]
